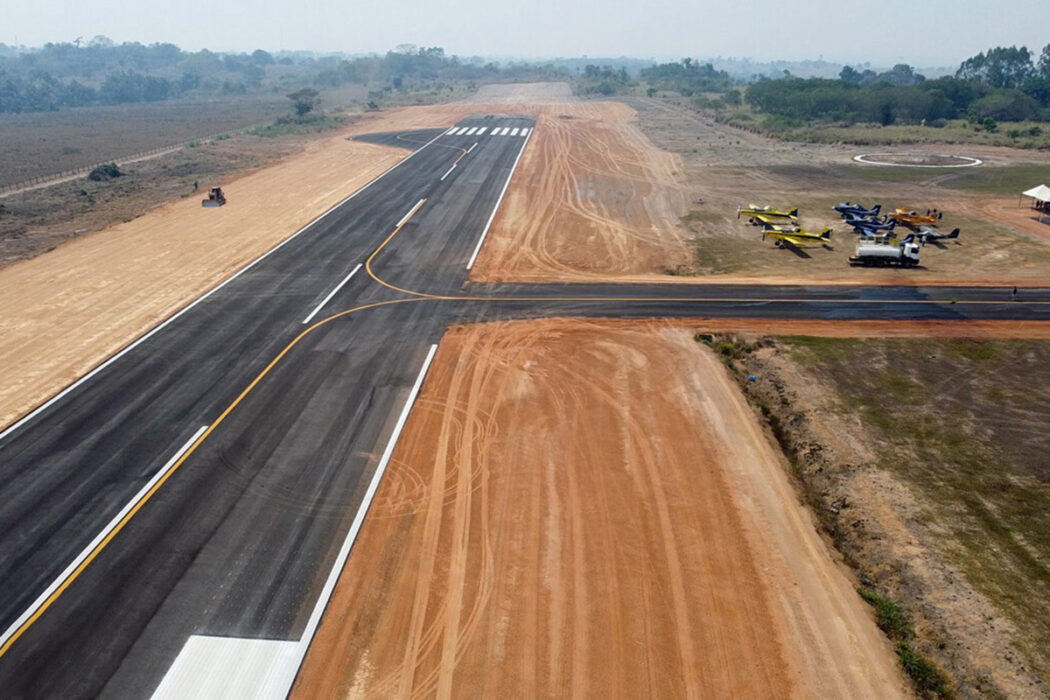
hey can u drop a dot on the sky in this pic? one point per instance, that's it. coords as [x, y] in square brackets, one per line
[922, 33]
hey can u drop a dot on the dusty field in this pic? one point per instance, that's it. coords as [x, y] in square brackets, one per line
[37, 221]
[42, 143]
[929, 469]
[590, 509]
[63, 312]
[530, 93]
[725, 168]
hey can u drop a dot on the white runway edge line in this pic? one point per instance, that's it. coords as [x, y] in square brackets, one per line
[332, 294]
[32, 609]
[488, 225]
[60, 395]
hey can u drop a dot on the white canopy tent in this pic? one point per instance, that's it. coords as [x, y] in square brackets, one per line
[1040, 194]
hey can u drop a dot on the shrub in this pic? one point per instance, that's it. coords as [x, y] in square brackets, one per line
[106, 171]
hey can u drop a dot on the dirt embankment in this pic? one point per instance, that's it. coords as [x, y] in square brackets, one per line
[590, 509]
[927, 482]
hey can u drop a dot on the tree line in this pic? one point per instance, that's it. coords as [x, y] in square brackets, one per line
[1002, 84]
[76, 74]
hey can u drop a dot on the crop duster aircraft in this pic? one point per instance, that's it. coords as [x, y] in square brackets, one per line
[767, 215]
[794, 236]
[931, 234]
[871, 227]
[912, 219]
[856, 211]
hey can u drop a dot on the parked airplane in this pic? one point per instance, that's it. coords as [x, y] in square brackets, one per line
[798, 237]
[757, 214]
[856, 211]
[870, 227]
[931, 234]
[911, 218]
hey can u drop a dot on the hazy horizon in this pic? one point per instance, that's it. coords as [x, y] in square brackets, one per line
[765, 32]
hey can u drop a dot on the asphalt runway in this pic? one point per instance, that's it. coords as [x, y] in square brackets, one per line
[201, 484]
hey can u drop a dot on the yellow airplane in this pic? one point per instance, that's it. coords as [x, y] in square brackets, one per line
[913, 218]
[794, 236]
[766, 215]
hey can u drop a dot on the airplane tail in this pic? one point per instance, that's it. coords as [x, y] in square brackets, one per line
[953, 234]
[876, 209]
[793, 212]
[825, 235]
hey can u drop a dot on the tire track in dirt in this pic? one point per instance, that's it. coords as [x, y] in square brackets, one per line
[585, 526]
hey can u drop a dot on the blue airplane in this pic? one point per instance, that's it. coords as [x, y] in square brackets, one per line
[871, 227]
[856, 211]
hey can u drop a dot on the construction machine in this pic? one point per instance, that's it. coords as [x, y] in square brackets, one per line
[216, 198]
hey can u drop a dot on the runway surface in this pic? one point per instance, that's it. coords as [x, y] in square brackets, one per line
[202, 483]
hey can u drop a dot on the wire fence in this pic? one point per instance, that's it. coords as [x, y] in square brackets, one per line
[42, 180]
[54, 178]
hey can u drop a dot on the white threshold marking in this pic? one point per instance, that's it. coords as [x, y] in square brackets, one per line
[332, 294]
[525, 132]
[504, 131]
[208, 667]
[86, 552]
[514, 131]
[410, 214]
[449, 172]
[462, 131]
[481, 131]
[230, 667]
[450, 131]
[472, 130]
[156, 329]
[472, 148]
[481, 241]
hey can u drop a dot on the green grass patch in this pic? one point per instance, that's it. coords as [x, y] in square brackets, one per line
[963, 422]
[286, 126]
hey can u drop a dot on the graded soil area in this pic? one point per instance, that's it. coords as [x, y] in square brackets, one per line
[63, 312]
[590, 508]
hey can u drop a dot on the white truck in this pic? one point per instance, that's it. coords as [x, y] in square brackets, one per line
[904, 254]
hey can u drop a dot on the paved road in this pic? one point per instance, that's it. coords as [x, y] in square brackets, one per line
[239, 537]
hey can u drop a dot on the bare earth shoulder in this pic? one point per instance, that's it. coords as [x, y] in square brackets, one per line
[590, 508]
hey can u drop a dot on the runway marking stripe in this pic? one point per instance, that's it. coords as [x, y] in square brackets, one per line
[411, 213]
[504, 131]
[86, 555]
[514, 131]
[450, 131]
[171, 319]
[481, 131]
[448, 172]
[525, 132]
[471, 148]
[332, 294]
[488, 224]
[462, 131]
[472, 130]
